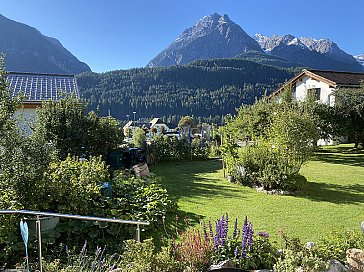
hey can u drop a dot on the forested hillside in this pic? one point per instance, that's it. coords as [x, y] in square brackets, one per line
[208, 89]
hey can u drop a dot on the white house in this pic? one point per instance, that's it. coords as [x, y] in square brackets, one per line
[156, 125]
[159, 126]
[37, 88]
[321, 84]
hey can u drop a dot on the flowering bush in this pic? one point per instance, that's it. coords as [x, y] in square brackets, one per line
[197, 250]
[194, 250]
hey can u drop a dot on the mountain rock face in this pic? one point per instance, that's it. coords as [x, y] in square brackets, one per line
[213, 36]
[318, 54]
[27, 50]
[360, 59]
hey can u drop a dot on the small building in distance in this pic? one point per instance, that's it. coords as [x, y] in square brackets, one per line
[154, 127]
[320, 83]
[36, 88]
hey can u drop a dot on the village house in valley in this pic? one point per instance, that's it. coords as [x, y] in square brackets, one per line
[36, 88]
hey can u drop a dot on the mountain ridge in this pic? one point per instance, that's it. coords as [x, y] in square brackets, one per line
[213, 36]
[217, 36]
[26, 49]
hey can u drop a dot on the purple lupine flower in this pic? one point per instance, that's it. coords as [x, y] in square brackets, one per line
[250, 235]
[67, 251]
[243, 248]
[93, 265]
[226, 226]
[263, 234]
[236, 251]
[83, 250]
[247, 237]
[216, 244]
[235, 232]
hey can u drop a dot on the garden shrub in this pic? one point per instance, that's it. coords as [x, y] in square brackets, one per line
[267, 143]
[165, 148]
[300, 261]
[141, 199]
[265, 166]
[73, 186]
[66, 124]
[140, 138]
[141, 256]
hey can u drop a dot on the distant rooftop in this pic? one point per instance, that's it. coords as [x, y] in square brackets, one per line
[40, 87]
[341, 78]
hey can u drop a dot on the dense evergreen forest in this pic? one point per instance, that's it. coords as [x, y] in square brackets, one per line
[205, 89]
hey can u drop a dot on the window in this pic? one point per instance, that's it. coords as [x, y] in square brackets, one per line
[314, 92]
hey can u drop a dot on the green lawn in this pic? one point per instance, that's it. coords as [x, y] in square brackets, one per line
[333, 197]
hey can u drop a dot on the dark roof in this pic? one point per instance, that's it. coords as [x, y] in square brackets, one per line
[341, 78]
[40, 87]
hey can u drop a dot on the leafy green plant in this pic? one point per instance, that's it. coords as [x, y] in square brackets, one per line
[140, 257]
[73, 186]
[300, 261]
[66, 124]
[334, 245]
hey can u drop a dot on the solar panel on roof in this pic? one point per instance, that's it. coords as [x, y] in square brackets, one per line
[41, 87]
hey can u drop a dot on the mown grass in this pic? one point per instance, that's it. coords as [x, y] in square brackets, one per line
[333, 197]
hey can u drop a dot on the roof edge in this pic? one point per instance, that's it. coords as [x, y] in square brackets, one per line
[42, 74]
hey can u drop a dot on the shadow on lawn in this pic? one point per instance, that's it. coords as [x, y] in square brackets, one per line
[342, 154]
[336, 158]
[187, 179]
[338, 194]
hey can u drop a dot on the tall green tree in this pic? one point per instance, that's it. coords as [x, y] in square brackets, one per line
[140, 138]
[349, 104]
[66, 124]
[8, 104]
[186, 121]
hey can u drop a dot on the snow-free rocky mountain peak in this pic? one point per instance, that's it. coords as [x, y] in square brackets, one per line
[310, 52]
[217, 36]
[27, 50]
[213, 36]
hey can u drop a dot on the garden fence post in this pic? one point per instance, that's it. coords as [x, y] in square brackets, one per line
[138, 233]
[39, 234]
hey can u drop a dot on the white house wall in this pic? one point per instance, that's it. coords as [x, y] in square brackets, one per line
[306, 83]
[26, 116]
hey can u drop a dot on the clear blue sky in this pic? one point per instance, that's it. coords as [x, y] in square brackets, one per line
[120, 34]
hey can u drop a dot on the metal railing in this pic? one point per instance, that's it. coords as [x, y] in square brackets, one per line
[70, 216]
